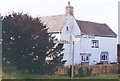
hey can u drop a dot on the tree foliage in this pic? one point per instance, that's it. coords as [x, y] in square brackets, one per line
[26, 43]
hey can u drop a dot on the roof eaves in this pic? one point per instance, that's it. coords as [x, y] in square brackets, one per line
[111, 29]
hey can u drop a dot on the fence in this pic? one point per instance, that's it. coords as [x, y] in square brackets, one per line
[96, 69]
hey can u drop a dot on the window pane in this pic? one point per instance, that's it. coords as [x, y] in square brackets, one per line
[106, 58]
[95, 43]
[86, 57]
[82, 58]
[102, 58]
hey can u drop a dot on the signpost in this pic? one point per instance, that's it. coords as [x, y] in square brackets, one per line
[73, 38]
[62, 42]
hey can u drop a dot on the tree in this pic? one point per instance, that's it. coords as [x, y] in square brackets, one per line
[26, 43]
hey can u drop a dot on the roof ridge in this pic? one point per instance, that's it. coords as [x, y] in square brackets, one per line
[91, 22]
[53, 15]
[93, 28]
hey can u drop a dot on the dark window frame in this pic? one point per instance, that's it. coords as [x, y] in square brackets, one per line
[67, 28]
[95, 44]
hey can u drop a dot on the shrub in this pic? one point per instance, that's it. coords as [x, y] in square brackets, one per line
[84, 71]
[89, 71]
[113, 63]
[118, 70]
[81, 72]
[99, 63]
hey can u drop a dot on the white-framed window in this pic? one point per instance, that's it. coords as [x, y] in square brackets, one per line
[95, 44]
[104, 56]
[85, 57]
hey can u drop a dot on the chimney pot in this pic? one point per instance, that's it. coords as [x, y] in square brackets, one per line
[69, 9]
[69, 3]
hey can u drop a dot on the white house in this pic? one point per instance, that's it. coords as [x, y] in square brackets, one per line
[97, 42]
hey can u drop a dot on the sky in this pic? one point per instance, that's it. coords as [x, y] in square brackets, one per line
[100, 11]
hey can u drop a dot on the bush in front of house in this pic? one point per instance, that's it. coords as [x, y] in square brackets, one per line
[99, 63]
[118, 69]
[113, 63]
[89, 71]
[82, 72]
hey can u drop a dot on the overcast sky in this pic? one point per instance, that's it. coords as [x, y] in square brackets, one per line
[100, 11]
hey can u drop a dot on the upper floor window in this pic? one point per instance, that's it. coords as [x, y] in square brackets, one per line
[67, 28]
[95, 44]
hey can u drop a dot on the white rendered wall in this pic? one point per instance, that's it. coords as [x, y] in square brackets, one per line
[73, 29]
[84, 45]
[105, 44]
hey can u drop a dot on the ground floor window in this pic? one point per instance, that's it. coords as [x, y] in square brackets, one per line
[85, 58]
[104, 57]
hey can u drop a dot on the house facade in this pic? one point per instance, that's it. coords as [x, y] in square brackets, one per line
[85, 42]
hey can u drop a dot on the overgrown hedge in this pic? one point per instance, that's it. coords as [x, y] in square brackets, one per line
[88, 70]
[84, 71]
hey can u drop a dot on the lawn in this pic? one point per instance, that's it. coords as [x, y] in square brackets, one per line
[15, 74]
[30, 76]
[110, 76]
[0, 74]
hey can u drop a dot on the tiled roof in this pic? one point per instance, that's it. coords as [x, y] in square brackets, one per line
[54, 23]
[91, 28]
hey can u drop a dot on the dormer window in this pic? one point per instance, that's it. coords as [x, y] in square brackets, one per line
[67, 28]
